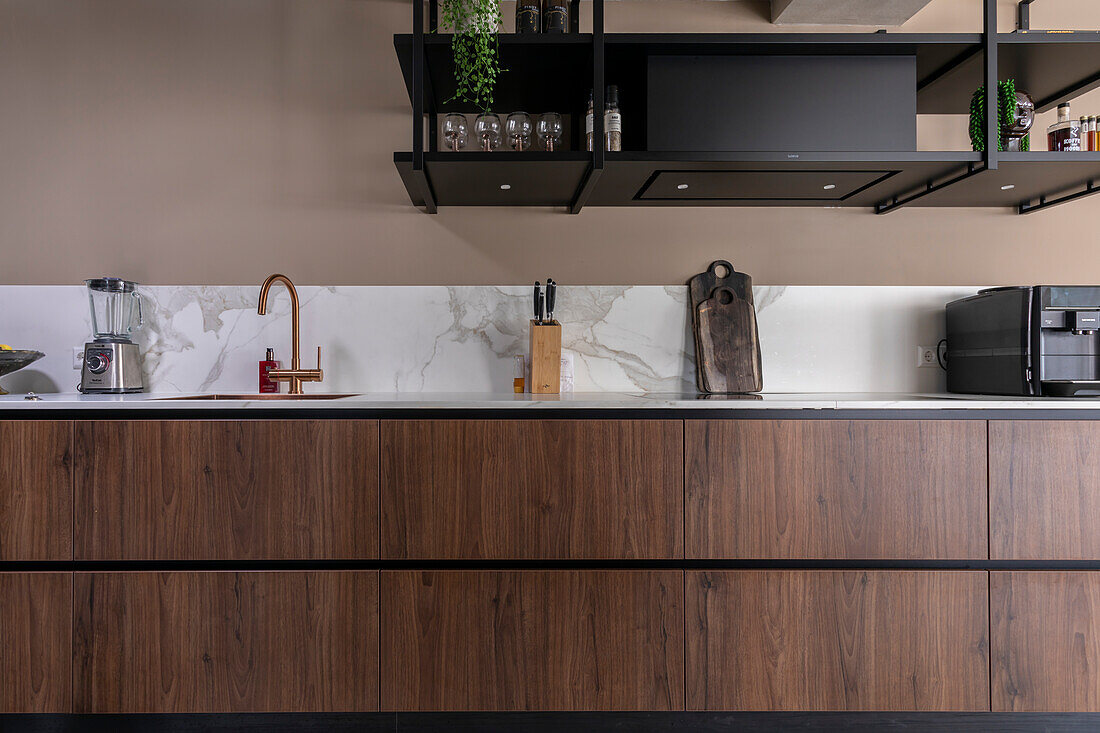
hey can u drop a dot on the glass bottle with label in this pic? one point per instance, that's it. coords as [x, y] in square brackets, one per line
[555, 16]
[1065, 134]
[612, 121]
[528, 16]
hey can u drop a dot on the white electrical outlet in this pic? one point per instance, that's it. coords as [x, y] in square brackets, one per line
[78, 357]
[926, 356]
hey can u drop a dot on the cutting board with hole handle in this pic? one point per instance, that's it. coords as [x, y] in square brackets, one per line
[727, 344]
[720, 274]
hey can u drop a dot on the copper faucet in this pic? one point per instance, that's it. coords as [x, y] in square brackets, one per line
[295, 375]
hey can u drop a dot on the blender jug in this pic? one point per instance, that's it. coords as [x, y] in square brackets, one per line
[116, 308]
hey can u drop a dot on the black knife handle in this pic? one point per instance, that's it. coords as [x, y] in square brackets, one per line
[538, 300]
[551, 296]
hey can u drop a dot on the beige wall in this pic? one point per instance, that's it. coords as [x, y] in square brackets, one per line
[213, 142]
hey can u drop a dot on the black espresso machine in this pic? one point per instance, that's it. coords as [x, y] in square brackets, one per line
[1041, 341]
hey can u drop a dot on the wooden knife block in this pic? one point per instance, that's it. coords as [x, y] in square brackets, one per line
[545, 358]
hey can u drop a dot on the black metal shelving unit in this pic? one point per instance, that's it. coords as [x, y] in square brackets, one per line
[555, 72]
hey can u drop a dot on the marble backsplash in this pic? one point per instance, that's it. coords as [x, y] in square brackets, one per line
[462, 339]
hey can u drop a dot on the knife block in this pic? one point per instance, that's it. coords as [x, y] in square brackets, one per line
[545, 357]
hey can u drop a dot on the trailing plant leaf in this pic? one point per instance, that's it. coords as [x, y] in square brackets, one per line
[1006, 114]
[475, 47]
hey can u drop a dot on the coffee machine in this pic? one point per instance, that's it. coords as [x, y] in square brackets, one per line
[112, 362]
[1041, 341]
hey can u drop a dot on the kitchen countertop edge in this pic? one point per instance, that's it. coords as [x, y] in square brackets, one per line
[505, 402]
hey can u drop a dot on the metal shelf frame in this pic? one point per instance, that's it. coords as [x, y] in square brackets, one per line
[424, 107]
[425, 112]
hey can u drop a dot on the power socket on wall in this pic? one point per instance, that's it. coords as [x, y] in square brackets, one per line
[926, 357]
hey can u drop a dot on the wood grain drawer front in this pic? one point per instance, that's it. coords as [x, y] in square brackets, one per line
[35, 642]
[36, 490]
[227, 490]
[1046, 641]
[861, 489]
[837, 640]
[182, 642]
[536, 640]
[503, 489]
[1044, 490]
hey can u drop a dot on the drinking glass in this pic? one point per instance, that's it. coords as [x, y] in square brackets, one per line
[487, 129]
[550, 130]
[518, 129]
[454, 131]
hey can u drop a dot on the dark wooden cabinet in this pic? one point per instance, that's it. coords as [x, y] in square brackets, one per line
[532, 489]
[837, 640]
[504, 632]
[1045, 641]
[36, 490]
[35, 634]
[864, 489]
[535, 640]
[227, 489]
[1044, 490]
[177, 642]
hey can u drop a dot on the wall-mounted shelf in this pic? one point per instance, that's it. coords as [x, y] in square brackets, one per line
[497, 179]
[1052, 67]
[1024, 181]
[556, 73]
[543, 71]
[769, 179]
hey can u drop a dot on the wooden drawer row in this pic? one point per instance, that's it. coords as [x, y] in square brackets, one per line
[549, 640]
[540, 489]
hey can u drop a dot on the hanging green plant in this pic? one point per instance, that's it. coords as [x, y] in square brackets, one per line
[476, 48]
[1006, 115]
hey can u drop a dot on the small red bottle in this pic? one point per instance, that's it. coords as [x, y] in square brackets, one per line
[267, 384]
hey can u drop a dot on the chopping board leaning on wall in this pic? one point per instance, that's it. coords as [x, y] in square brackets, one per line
[723, 322]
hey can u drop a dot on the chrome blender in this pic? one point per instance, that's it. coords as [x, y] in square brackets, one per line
[112, 362]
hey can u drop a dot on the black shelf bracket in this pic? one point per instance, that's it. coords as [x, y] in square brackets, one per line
[419, 62]
[584, 192]
[992, 89]
[1023, 15]
[1084, 85]
[595, 168]
[1045, 203]
[931, 187]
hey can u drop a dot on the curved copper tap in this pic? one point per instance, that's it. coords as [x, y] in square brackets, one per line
[295, 375]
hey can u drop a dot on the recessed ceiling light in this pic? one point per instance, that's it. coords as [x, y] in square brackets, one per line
[682, 186]
[505, 187]
[1009, 187]
[830, 186]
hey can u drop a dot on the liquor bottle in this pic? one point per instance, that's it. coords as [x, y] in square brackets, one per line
[588, 123]
[1065, 134]
[612, 121]
[555, 16]
[528, 16]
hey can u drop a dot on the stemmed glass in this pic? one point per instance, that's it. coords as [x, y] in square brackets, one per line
[487, 129]
[518, 129]
[550, 130]
[454, 130]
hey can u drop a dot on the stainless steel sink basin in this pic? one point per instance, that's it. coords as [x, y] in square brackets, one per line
[266, 396]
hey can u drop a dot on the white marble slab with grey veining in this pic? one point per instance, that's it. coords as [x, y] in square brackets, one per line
[462, 339]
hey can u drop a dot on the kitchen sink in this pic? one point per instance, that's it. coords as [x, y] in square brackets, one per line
[266, 396]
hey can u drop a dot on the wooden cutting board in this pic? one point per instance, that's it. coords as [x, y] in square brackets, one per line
[702, 285]
[727, 344]
[719, 274]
